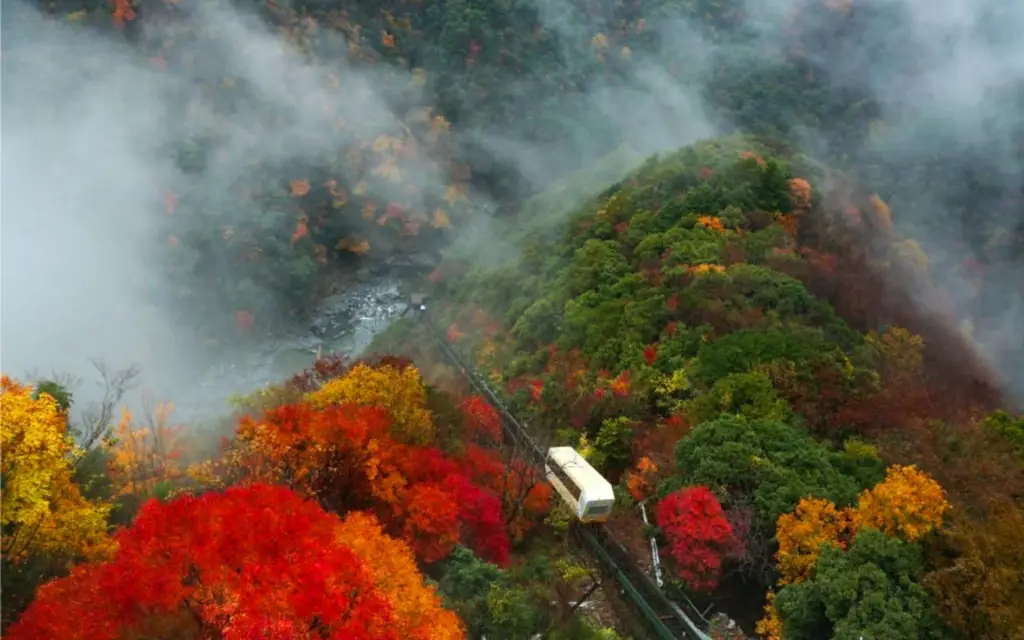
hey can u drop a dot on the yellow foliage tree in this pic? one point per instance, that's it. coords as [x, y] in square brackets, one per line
[42, 509]
[801, 534]
[908, 504]
[770, 626]
[418, 613]
[399, 390]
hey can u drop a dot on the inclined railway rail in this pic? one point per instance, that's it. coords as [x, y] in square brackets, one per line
[662, 618]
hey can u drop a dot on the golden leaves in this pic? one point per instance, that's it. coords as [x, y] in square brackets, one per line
[384, 143]
[801, 535]
[702, 269]
[883, 215]
[339, 197]
[417, 607]
[711, 223]
[143, 457]
[908, 504]
[299, 188]
[361, 247]
[440, 219]
[41, 509]
[456, 192]
[770, 626]
[399, 390]
[438, 124]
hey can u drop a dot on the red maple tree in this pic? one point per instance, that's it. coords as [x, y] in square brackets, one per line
[256, 561]
[698, 533]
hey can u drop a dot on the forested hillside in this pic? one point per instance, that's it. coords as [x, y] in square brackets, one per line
[683, 333]
[758, 262]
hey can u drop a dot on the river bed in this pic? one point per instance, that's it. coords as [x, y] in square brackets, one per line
[345, 323]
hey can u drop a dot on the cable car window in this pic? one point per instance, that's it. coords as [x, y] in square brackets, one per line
[598, 510]
[564, 477]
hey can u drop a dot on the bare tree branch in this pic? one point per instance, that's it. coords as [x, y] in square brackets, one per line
[95, 422]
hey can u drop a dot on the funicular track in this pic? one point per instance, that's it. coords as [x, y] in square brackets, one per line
[661, 617]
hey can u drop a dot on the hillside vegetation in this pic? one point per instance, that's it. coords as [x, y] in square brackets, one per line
[704, 242]
[683, 333]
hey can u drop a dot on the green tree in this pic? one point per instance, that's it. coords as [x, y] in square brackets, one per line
[767, 464]
[871, 591]
[750, 395]
[1009, 427]
[486, 598]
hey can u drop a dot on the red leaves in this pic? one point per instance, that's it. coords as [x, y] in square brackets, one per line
[483, 525]
[170, 203]
[536, 388]
[324, 369]
[431, 522]
[394, 211]
[673, 302]
[482, 421]
[346, 456]
[474, 49]
[301, 230]
[123, 12]
[255, 561]
[698, 533]
[620, 385]
[453, 334]
[650, 354]
[244, 319]
[750, 155]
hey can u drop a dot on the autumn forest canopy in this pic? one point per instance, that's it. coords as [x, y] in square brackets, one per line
[757, 262]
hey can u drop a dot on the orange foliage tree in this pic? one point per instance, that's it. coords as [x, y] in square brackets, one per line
[801, 534]
[908, 504]
[639, 480]
[348, 456]
[143, 457]
[256, 561]
[416, 608]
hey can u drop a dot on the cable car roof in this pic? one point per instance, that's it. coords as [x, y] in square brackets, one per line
[585, 476]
